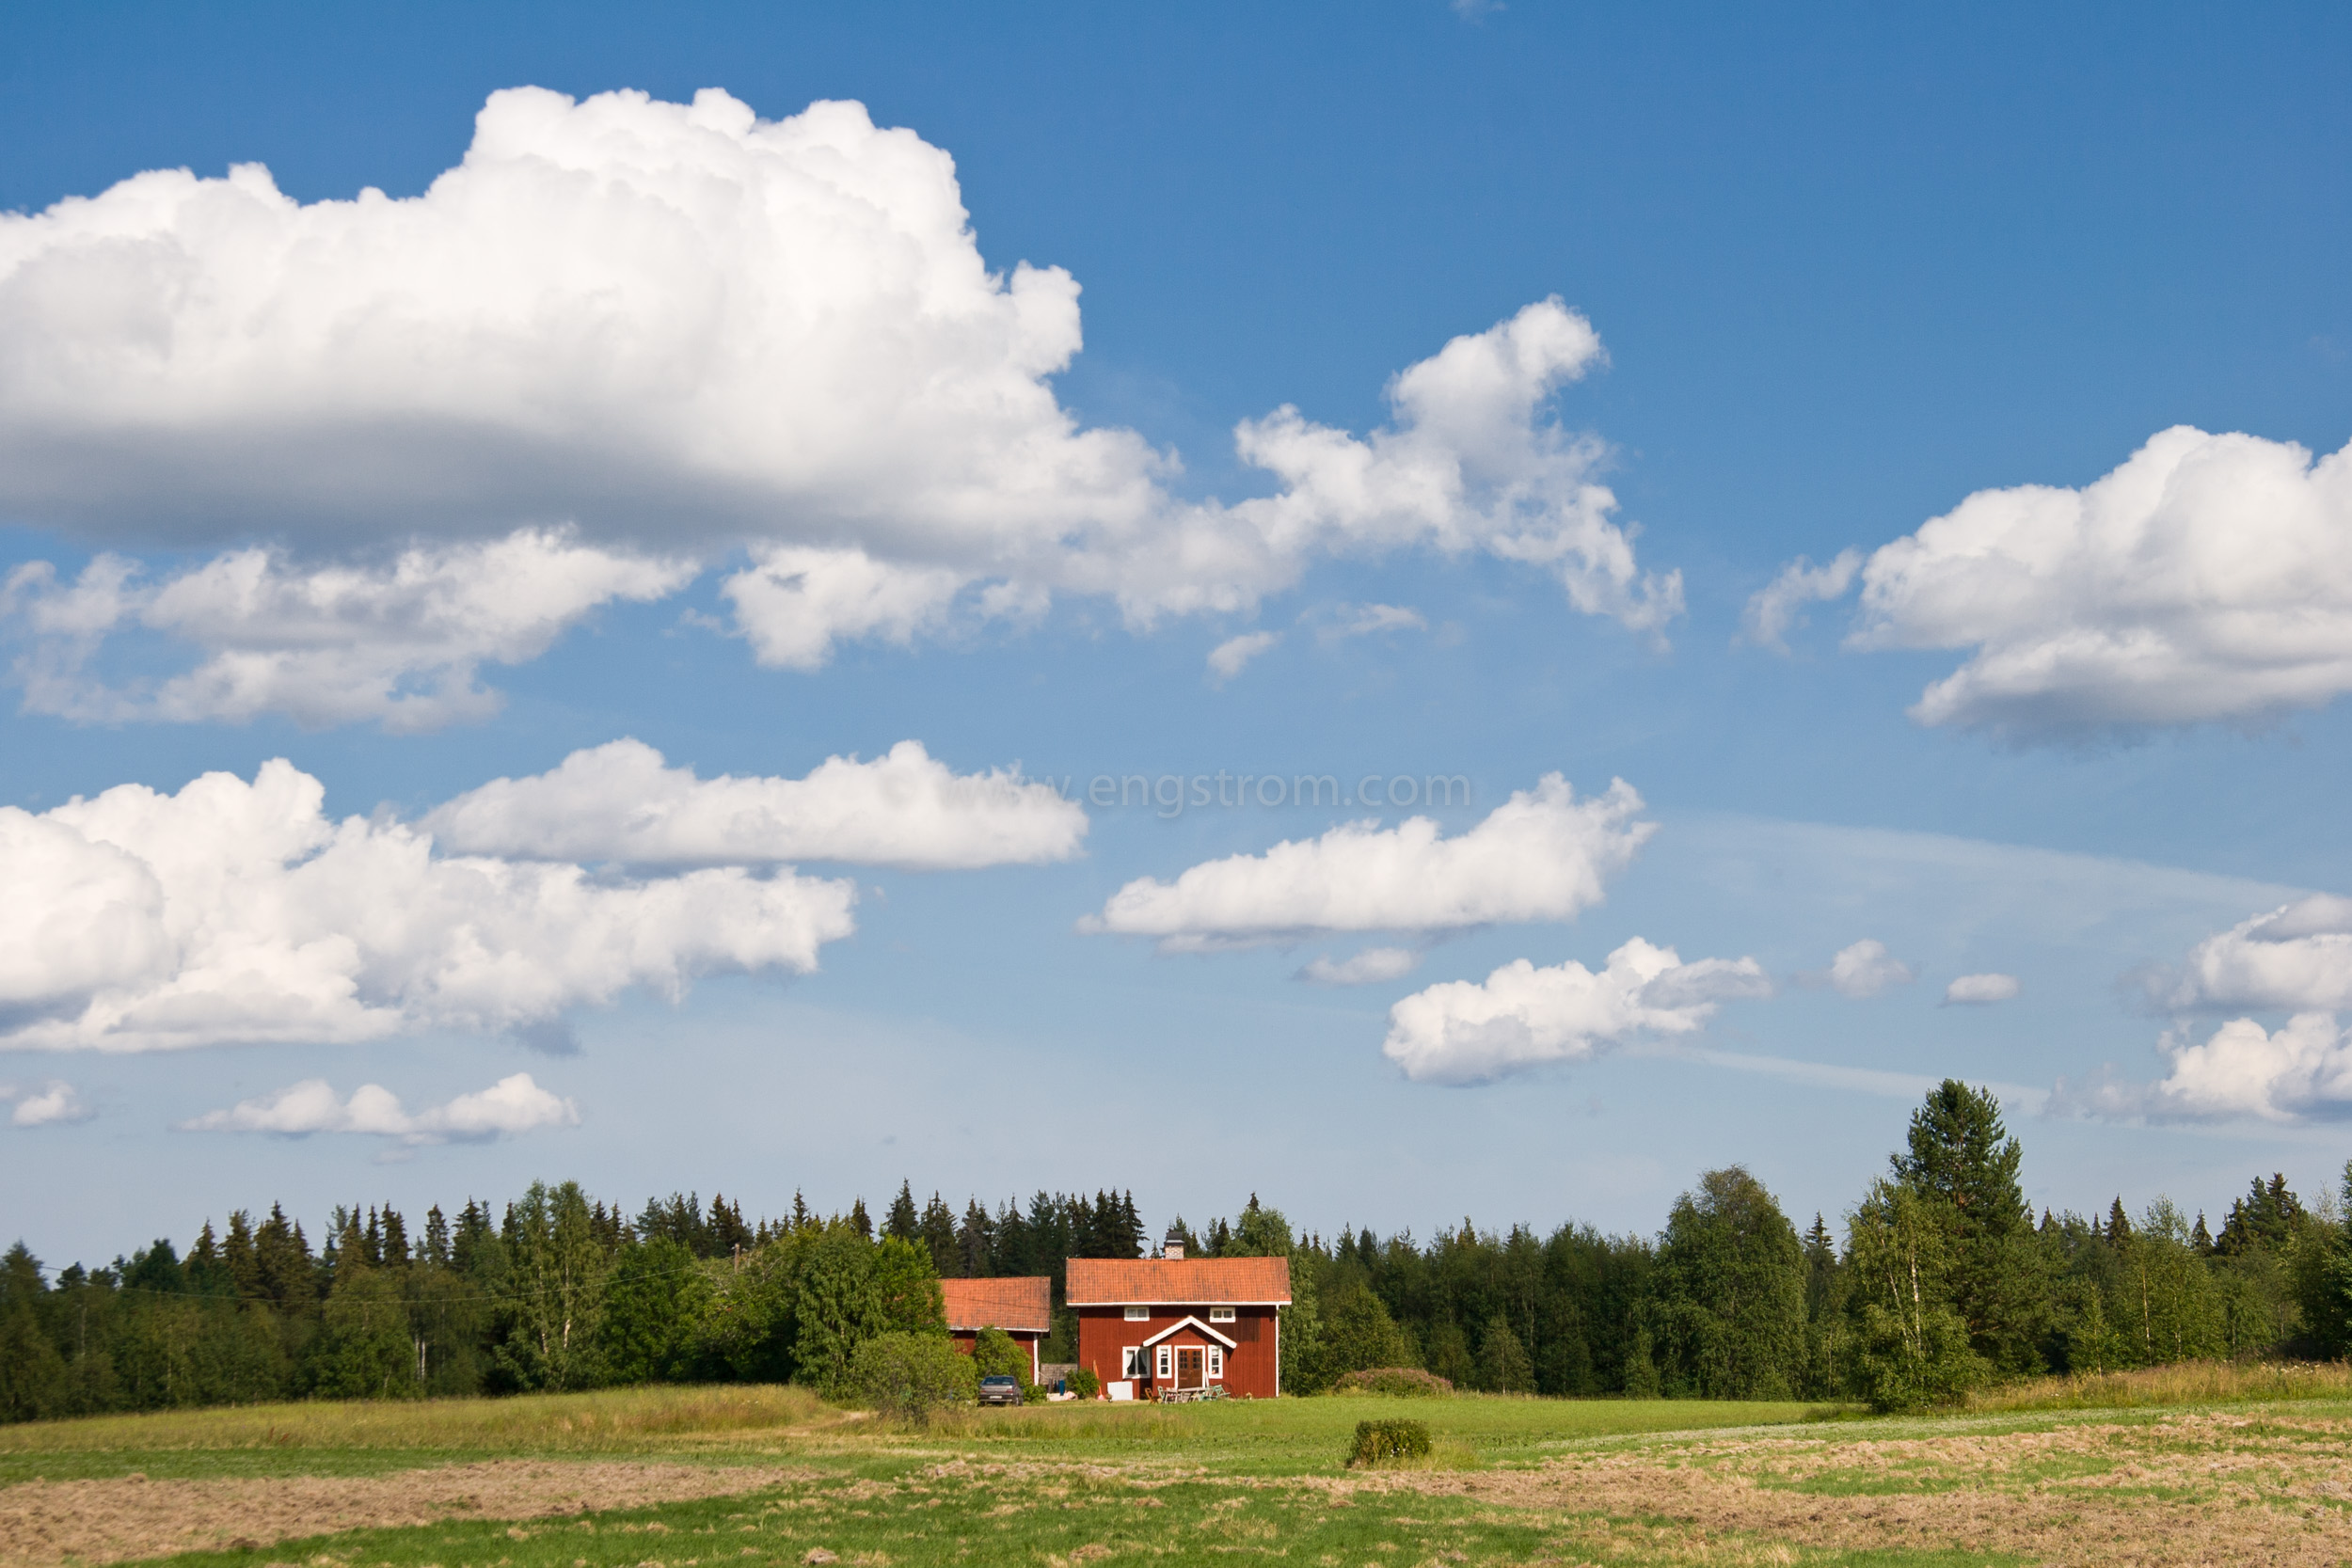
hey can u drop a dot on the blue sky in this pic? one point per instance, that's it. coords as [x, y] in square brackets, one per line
[1846, 269]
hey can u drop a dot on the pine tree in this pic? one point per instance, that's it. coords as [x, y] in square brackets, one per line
[1963, 1162]
[902, 1222]
[860, 1221]
[435, 1238]
[938, 1233]
[237, 1252]
[973, 1239]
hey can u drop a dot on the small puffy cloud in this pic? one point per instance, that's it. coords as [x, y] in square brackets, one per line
[240, 912]
[1978, 991]
[2209, 578]
[398, 644]
[1862, 970]
[685, 329]
[512, 1104]
[620, 803]
[53, 1104]
[1541, 855]
[2298, 1072]
[1370, 966]
[1521, 1017]
[1778, 607]
[2295, 959]
[1228, 658]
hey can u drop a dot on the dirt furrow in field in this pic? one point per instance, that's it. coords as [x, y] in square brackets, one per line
[50, 1522]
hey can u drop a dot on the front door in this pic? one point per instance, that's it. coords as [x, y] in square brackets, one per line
[1192, 1367]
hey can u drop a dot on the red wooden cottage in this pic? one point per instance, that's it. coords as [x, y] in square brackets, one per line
[1178, 1325]
[1022, 1307]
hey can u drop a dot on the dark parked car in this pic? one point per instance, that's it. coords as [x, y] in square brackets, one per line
[1000, 1389]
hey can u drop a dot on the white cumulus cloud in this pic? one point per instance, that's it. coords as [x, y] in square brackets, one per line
[55, 1103]
[234, 911]
[2295, 959]
[1864, 968]
[1368, 967]
[1541, 855]
[620, 803]
[512, 1104]
[2298, 1072]
[1778, 608]
[399, 645]
[687, 331]
[1229, 657]
[2208, 577]
[1520, 1017]
[1978, 991]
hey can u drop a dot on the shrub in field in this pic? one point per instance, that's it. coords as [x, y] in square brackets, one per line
[1083, 1383]
[1406, 1383]
[1388, 1442]
[996, 1353]
[908, 1376]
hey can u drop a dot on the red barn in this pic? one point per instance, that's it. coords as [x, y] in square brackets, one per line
[1022, 1307]
[1175, 1324]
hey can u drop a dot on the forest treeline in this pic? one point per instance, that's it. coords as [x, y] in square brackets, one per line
[1940, 1278]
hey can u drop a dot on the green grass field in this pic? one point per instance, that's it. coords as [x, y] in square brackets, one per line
[1514, 1481]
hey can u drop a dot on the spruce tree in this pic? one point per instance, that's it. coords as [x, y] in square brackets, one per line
[860, 1221]
[902, 1222]
[938, 1232]
[1963, 1164]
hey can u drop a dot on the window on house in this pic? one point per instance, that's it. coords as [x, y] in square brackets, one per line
[1131, 1363]
[1220, 1314]
[1166, 1364]
[1217, 1360]
[1137, 1314]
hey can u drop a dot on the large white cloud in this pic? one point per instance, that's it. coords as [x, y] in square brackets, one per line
[687, 330]
[1520, 1017]
[620, 803]
[234, 911]
[1541, 855]
[2208, 577]
[2300, 1070]
[398, 643]
[2295, 959]
[512, 1104]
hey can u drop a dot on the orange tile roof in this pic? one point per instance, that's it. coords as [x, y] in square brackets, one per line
[1022, 1305]
[1119, 1281]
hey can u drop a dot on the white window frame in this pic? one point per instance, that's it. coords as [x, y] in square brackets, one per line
[1221, 1315]
[1217, 1362]
[1138, 1314]
[1131, 1363]
[1166, 1362]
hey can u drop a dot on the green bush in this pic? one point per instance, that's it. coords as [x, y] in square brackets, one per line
[997, 1354]
[1404, 1383]
[1083, 1383]
[908, 1376]
[1388, 1442]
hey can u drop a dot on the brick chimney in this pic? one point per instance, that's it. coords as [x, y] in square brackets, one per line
[1173, 1248]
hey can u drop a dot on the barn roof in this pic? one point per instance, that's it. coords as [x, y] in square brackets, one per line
[1186, 1282]
[1016, 1305]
